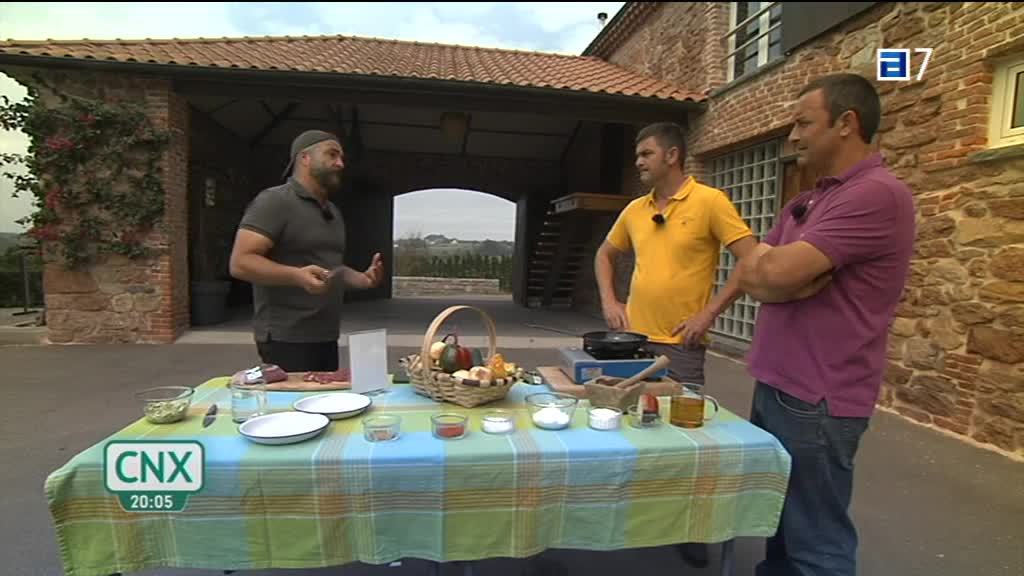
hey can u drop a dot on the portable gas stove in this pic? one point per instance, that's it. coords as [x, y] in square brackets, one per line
[582, 365]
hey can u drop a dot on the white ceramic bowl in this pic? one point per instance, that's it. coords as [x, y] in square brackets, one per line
[283, 427]
[334, 405]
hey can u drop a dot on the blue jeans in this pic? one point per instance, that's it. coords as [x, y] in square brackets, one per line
[816, 536]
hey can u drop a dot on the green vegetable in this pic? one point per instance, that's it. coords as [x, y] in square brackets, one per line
[165, 412]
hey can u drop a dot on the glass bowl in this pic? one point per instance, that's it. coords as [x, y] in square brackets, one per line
[449, 426]
[639, 419]
[604, 418]
[498, 422]
[165, 404]
[550, 410]
[381, 428]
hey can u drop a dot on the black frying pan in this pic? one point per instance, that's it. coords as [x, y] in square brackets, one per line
[604, 342]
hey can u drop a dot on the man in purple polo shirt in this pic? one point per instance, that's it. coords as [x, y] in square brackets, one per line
[829, 276]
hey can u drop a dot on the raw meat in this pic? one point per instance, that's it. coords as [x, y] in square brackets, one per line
[342, 375]
[271, 373]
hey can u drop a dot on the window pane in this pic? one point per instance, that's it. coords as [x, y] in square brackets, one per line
[1017, 119]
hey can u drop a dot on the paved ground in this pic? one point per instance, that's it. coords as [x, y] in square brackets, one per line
[925, 504]
[18, 317]
[407, 318]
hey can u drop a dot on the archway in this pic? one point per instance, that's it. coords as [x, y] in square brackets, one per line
[453, 241]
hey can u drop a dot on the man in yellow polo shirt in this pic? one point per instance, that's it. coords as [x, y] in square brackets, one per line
[676, 233]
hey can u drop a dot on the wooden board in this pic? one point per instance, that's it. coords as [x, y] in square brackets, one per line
[294, 383]
[557, 379]
[591, 202]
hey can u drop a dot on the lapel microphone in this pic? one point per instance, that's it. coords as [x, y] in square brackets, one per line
[799, 211]
[326, 213]
[658, 219]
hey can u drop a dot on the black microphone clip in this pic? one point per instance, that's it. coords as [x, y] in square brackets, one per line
[658, 219]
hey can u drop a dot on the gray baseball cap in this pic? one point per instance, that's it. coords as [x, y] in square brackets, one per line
[305, 140]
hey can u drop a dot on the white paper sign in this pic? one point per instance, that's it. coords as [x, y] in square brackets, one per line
[368, 360]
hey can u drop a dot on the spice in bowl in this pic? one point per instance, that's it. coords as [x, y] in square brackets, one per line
[449, 426]
[498, 422]
[381, 428]
[603, 418]
[551, 411]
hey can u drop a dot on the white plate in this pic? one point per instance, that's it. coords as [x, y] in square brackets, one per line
[334, 405]
[283, 427]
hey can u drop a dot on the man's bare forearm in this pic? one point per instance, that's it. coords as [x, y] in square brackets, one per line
[727, 295]
[257, 269]
[353, 279]
[604, 272]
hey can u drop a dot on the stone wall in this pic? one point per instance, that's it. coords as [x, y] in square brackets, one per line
[405, 286]
[117, 299]
[956, 358]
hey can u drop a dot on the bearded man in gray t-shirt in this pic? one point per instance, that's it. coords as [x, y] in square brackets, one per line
[291, 246]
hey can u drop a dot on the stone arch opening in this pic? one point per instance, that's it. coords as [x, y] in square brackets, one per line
[453, 241]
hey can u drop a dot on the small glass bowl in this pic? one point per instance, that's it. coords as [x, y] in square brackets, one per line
[165, 404]
[381, 428]
[550, 410]
[638, 419]
[604, 418]
[498, 422]
[449, 426]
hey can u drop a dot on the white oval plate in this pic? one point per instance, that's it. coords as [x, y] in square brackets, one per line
[334, 405]
[283, 427]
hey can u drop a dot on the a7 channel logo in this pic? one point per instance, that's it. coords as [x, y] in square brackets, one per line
[893, 64]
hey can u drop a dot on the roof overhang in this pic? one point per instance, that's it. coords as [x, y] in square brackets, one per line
[334, 87]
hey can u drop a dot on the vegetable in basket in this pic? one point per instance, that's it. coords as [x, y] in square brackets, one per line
[457, 357]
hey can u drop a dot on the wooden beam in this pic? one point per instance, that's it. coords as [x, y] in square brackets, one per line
[438, 128]
[561, 105]
[209, 117]
[222, 106]
[572, 138]
[277, 119]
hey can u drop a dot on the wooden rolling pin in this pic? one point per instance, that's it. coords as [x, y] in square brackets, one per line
[659, 363]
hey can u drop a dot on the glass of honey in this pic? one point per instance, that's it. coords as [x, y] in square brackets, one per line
[688, 406]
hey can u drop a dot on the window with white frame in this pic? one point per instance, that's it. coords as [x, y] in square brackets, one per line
[751, 179]
[1006, 122]
[754, 38]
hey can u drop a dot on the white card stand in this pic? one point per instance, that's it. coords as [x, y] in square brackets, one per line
[368, 361]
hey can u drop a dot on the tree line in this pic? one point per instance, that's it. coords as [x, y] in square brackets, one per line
[413, 262]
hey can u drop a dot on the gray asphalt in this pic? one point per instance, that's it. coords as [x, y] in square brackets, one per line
[925, 503]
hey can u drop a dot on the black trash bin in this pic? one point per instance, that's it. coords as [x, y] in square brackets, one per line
[210, 302]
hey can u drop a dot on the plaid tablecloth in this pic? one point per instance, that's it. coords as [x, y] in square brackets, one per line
[338, 499]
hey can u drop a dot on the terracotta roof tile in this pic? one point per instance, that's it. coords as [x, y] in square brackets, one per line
[369, 56]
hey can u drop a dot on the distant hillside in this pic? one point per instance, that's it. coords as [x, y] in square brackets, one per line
[440, 245]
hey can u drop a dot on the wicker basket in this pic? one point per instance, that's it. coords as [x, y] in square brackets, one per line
[433, 383]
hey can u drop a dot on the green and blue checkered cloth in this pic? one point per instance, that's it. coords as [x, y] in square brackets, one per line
[338, 499]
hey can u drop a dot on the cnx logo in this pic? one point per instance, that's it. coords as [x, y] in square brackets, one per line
[894, 63]
[146, 466]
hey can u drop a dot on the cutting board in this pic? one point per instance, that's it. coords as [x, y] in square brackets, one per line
[560, 382]
[294, 383]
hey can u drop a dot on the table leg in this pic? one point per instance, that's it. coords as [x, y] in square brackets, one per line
[728, 557]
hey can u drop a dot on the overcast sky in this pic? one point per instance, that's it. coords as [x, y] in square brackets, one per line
[546, 26]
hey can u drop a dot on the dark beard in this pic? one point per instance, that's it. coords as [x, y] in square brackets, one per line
[327, 178]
